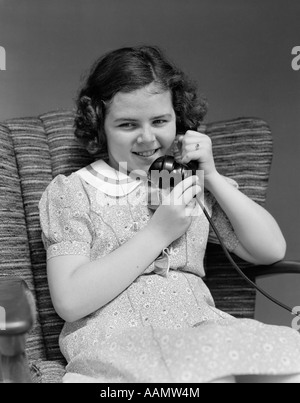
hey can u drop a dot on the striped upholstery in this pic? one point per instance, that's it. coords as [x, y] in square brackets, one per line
[243, 151]
[43, 148]
[35, 150]
[43, 371]
[14, 252]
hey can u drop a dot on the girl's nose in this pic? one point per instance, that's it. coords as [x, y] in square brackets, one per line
[146, 135]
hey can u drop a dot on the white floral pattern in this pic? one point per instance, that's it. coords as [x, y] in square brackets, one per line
[161, 328]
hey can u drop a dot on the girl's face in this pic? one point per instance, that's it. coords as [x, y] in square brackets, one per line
[140, 126]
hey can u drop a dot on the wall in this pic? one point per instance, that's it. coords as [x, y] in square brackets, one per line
[238, 50]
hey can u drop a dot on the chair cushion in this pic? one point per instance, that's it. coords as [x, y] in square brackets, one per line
[243, 150]
[44, 147]
[14, 252]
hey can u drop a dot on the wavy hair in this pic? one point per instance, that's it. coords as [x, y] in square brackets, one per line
[128, 69]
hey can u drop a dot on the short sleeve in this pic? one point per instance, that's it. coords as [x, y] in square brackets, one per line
[222, 223]
[65, 219]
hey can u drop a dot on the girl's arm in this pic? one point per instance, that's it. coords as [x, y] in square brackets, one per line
[79, 287]
[261, 241]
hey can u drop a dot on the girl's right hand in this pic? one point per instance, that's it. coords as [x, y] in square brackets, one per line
[173, 217]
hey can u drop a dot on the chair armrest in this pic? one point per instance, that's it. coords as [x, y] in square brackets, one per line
[47, 371]
[16, 319]
[16, 311]
[281, 267]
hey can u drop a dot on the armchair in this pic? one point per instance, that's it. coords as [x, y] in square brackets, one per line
[35, 150]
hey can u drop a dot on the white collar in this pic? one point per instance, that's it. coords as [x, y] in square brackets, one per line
[107, 179]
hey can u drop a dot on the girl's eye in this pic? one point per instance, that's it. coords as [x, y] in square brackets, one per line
[127, 125]
[159, 121]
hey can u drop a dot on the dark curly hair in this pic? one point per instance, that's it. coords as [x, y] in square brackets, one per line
[128, 69]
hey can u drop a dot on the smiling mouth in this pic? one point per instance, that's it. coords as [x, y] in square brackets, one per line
[146, 153]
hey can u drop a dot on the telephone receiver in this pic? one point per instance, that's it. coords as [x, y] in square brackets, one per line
[159, 184]
[168, 163]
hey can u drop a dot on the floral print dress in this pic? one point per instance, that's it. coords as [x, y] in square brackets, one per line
[164, 327]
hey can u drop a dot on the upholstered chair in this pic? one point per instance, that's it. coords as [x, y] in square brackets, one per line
[33, 151]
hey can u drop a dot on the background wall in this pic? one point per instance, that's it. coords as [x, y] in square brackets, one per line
[238, 50]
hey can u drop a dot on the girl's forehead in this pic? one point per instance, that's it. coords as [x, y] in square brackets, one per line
[141, 100]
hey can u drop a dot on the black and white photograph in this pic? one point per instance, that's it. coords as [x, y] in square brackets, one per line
[149, 195]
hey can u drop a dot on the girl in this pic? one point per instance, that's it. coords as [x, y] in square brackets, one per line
[127, 281]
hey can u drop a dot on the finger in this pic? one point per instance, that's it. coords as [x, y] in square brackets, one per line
[190, 144]
[195, 145]
[192, 204]
[192, 137]
[179, 138]
[192, 155]
[199, 143]
[182, 186]
[189, 194]
[198, 155]
[191, 208]
[191, 133]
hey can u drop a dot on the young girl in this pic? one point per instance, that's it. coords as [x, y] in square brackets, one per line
[127, 280]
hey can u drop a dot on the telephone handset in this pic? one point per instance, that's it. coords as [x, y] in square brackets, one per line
[169, 164]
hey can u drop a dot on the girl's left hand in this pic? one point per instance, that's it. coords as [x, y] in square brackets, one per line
[196, 146]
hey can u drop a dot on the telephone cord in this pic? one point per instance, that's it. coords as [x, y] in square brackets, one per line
[258, 288]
